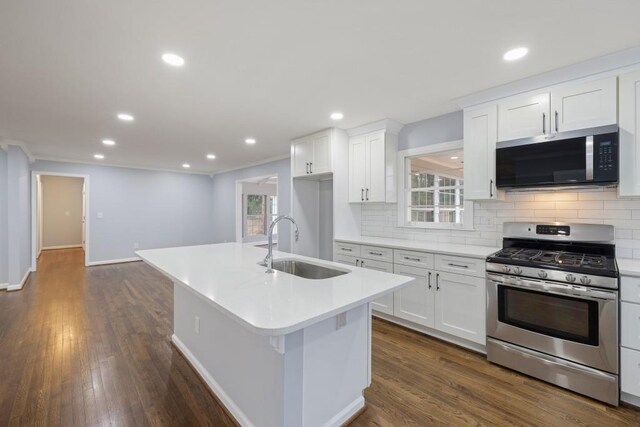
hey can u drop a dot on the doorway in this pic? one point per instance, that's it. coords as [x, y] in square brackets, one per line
[256, 208]
[59, 214]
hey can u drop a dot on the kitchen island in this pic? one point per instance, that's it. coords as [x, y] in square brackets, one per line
[275, 348]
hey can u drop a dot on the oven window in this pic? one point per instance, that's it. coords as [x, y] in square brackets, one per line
[558, 316]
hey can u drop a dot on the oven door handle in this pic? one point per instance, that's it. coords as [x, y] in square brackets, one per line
[582, 292]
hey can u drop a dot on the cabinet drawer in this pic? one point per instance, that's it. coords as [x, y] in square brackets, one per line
[630, 371]
[376, 253]
[413, 258]
[387, 267]
[630, 325]
[460, 265]
[344, 259]
[630, 289]
[410, 270]
[346, 249]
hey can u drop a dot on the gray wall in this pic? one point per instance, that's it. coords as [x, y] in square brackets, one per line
[224, 190]
[153, 209]
[62, 211]
[18, 215]
[4, 276]
[435, 130]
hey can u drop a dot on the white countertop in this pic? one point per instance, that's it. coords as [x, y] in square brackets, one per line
[436, 247]
[229, 278]
[628, 267]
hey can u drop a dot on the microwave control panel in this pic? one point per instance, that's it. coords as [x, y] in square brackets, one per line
[605, 158]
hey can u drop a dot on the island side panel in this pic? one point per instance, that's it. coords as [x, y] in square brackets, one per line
[242, 368]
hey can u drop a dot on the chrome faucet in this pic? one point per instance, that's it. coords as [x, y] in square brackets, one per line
[268, 260]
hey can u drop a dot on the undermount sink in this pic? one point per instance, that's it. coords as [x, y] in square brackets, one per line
[304, 269]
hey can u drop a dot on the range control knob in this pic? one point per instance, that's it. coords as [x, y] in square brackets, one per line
[570, 278]
[543, 274]
[506, 268]
[585, 280]
[517, 270]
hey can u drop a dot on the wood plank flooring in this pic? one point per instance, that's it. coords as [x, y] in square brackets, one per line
[91, 347]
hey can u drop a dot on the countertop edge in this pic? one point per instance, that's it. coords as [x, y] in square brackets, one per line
[415, 246]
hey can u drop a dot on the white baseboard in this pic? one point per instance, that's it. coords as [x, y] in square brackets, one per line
[229, 404]
[3, 286]
[630, 398]
[48, 248]
[20, 285]
[113, 261]
[343, 416]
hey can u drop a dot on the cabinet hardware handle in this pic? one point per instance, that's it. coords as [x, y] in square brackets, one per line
[347, 249]
[362, 194]
[491, 189]
[429, 280]
[311, 167]
[375, 253]
[437, 281]
[367, 194]
[357, 262]
[458, 265]
[544, 123]
[408, 258]
[307, 167]
[556, 120]
[361, 263]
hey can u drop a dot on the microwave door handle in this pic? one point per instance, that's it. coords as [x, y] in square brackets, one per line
[589, 158]
[544, 123]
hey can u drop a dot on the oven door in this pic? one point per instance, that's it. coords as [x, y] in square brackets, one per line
[571, 322]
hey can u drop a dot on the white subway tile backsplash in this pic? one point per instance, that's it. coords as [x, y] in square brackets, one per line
[589, 206]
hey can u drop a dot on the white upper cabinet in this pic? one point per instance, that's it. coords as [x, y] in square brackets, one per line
[563, 108]
[629, 134]
[480, 136]
[372, 166]
[584, 105]
[312, 154]
[523, 116]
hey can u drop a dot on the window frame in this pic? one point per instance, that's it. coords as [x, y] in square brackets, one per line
[404, 190]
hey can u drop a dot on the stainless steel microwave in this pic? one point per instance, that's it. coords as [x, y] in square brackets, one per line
[585, 157]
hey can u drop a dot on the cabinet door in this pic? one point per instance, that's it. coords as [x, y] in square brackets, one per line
[629, 134]
[357, 169]
[375, 189]
[383, 304]
[460, 306]
[585, 105]
[523, 116]
[321, 161]
[415, 302]
[480, 134]
[302, 156]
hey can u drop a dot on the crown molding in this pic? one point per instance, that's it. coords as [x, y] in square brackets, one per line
[5, 143]
[116, 165]
[249, 165]
[388, 125]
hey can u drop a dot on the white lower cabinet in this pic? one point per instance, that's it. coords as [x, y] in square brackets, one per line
[452, 303]
[630, 335]
[630, 371]
[461, 306]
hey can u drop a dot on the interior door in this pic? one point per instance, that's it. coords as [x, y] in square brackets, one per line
[585, 105]
[302, 156]
[321, 162]
[460, 306]
[523, 116]
[376, 168]
[415, 302]
[357, 169]
[84, 214]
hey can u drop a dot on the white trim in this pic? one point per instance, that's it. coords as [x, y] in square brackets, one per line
[87, 210]
[20, 285]
[249, 165]
[3, 286]
[117, 165]
[223, 397]
[611, 64]
[238, 201]
[630, 399]
[25, 149]
[48, 248]
[387, 125]
[349, 411]
[113, 261]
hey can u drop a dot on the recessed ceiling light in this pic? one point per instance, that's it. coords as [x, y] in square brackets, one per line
[173, 59]
[186, 165]
[211, 156]
[250, 141]
[125, 117]
[336, 116]
[98, 156]
[515, 54]
[454, 157]
[109, 142]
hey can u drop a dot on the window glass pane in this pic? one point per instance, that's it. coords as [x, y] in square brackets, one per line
[256, 215]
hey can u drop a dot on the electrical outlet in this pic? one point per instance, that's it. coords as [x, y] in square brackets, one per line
[196, 325]
[136, 246]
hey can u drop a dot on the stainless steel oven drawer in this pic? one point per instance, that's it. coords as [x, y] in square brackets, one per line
[590, 382]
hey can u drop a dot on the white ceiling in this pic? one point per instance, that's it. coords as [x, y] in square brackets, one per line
[272, 70]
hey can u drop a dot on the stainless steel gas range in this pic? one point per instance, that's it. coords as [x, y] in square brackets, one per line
[552, 306]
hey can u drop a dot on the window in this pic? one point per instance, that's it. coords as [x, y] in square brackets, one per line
[433, 187]
[260, 211]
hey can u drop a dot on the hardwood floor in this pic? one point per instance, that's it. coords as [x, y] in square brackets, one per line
[91, 347]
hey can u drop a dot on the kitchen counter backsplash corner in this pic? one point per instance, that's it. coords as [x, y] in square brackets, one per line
[596, 206]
